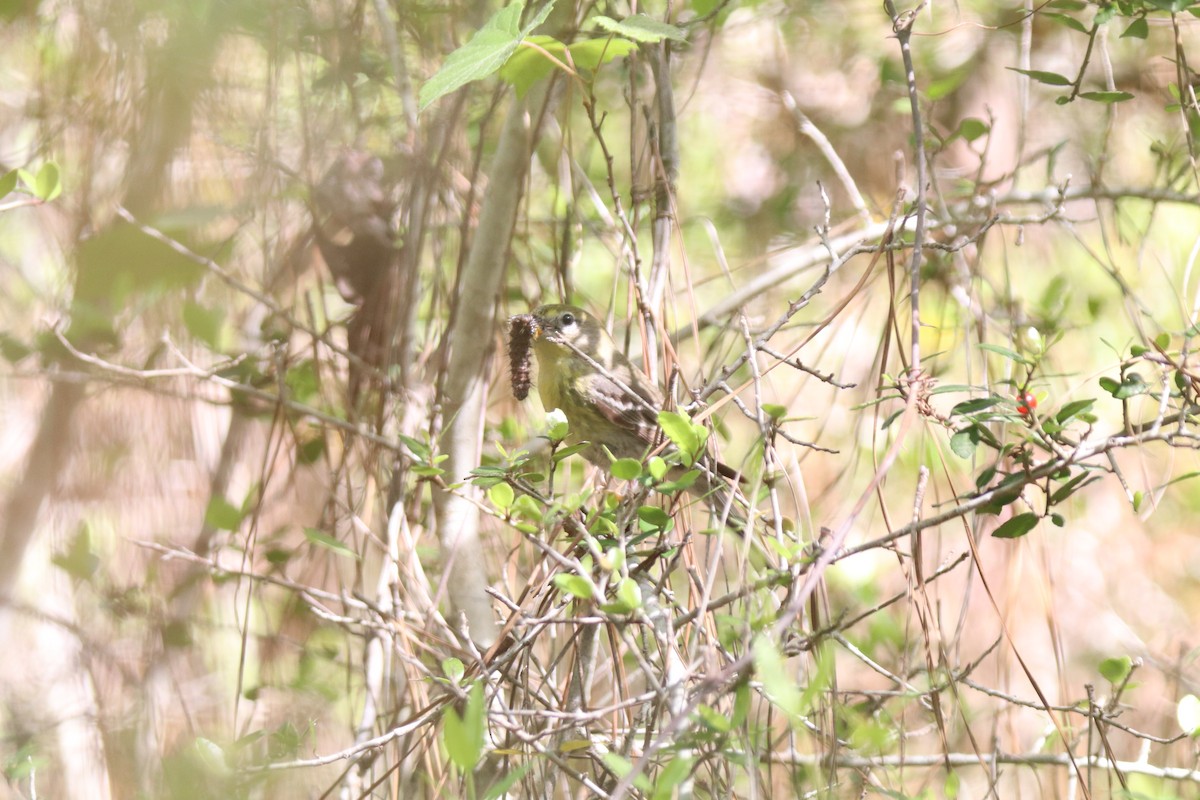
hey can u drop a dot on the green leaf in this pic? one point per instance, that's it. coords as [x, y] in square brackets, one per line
[567, 452]
[301, 379]
[1187, 712]
[628, 597]
[654, 518]
[502, 496]
[1162, 341]
[453, 669]
[741, 705]
[626, 469]
[1116, 670]
[78, 560]
[657, 468]
[713, 719]
[557, 426]
[974, 406]
[1107, 97]
[1073, 409]
[774, 411]
[485, 53]
[622, 767]
[211, 757]
[223, 515]
[1004, 351]
[48, 183]
[1048, 78]
[673, 774]
[1173, 6]
[684, 434]
[963, 442]
[463, 735]
[771, 670]
[1016, 527]
[1066, 19]
[310, 450]
[682, 483]
[322, 539]
[529, 64]
[641, 28]
[591, 54]
[206, 324]
[574, 585]
[1138, 29]
[971, 129]
[8, 182]
[418, 448]
[1131, 386]
[1071, 487]
[502, 786]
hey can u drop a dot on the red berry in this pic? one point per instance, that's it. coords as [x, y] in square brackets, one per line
[1026, 402]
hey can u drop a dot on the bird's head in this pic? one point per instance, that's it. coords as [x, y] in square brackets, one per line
[559, 328]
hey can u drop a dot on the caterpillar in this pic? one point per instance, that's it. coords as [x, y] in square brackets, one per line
[520, 343]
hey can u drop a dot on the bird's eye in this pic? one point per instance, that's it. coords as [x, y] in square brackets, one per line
[567, 319]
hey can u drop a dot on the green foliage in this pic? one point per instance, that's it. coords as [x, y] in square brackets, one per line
[542, 54]
[575, 585]
[322, 539]
[640, 28]
[485, 53]
[686, 435]
[1116, 670]
[463, 734]
[223, 515]
[1017, 526]
[8, 182]
[78, 560]
[622, 767]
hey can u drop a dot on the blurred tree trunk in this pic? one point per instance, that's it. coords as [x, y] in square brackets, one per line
[470, 345]
[178, 72]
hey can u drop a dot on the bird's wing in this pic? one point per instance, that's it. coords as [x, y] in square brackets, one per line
[624, 410]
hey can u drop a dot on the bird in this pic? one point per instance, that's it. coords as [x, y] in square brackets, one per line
[609, 402]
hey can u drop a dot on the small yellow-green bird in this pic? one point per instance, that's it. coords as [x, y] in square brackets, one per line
[607, 400]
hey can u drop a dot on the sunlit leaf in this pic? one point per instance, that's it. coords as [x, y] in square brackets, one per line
[626, 469]
[485, 53]
[641, 28]
[574, 585]
[464, 735]
[501, 495]
[1115, 670]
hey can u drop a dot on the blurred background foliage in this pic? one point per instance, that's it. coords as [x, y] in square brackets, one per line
[257, 259]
